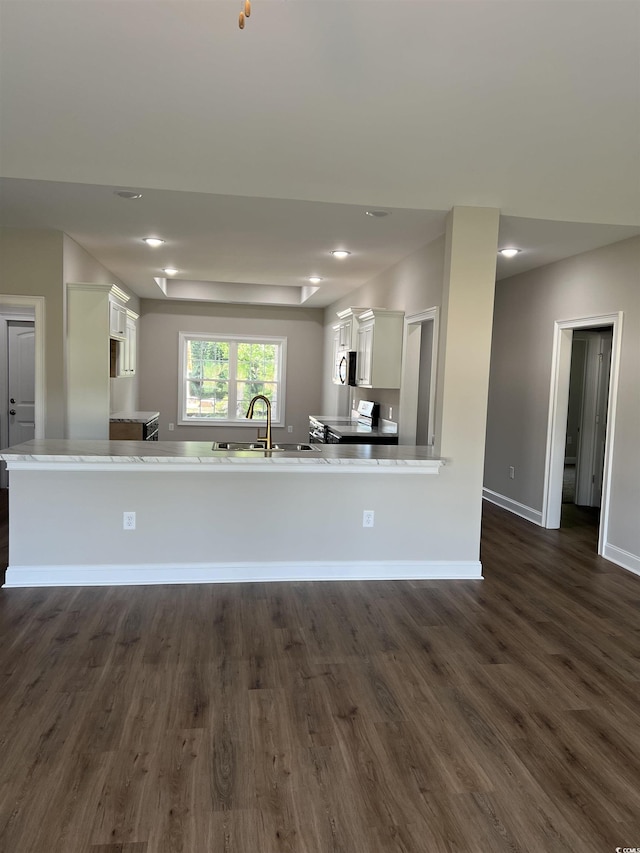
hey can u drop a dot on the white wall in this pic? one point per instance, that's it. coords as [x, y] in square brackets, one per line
[600, 282]
[160, 325]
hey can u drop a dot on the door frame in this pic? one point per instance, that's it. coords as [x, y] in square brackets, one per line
[37, 304]
[557, 421]
[408, 409]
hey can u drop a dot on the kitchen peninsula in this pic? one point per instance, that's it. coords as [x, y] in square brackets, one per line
[209, 516]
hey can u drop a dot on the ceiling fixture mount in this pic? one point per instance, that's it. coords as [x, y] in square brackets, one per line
[509, 252]
[378, 214]
[128, 194]
[154, 242]
[170, 271]
[246, 13]
[315, 279]
[340, 253]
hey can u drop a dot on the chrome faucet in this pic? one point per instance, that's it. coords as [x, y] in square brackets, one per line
[267, 436]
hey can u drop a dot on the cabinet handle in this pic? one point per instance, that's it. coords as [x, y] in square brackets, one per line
[12, 411]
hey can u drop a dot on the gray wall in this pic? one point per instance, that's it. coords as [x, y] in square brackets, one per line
[160, 324]
[31, 264]
[39, 262]
[412, 285]
[603, 281]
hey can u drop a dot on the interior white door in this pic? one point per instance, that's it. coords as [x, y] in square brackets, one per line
[21, 380]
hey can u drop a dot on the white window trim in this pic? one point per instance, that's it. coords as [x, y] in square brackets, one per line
[183, 337]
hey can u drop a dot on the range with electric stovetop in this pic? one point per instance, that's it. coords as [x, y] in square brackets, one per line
[361, 428]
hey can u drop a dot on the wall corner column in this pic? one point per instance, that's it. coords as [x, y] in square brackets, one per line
[464, 353]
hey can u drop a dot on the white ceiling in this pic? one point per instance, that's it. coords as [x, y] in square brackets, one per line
[258, 151]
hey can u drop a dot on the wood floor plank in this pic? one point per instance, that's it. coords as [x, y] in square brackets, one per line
[499, 716]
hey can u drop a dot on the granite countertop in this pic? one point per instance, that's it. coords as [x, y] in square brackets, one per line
[133, 417]
[198, 455]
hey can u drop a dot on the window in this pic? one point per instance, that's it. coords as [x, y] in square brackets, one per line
[220, 374]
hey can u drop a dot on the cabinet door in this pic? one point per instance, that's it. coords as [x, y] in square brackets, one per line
[131, 342]
[365, 351]
[334, 361]
[117, 320]
[345, 335]
[127, 350]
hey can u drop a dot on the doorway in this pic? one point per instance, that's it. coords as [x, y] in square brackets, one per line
[594, 343]
[28, 348]
[418, 387]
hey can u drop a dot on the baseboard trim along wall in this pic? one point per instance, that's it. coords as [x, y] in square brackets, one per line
[622, 558]
[121, 575]
[522, 510]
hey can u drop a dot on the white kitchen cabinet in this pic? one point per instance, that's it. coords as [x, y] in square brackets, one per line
[128, 348]
[344, 338]
[348, 326]
[379, 348]
[117, 319]
[336, 347]
[90, 320]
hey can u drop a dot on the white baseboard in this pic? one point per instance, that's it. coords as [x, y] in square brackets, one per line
[622, 558]
[119, 575]
[522, 510]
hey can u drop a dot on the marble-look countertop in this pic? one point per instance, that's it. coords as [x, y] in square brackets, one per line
[67, 454]
[133, 417]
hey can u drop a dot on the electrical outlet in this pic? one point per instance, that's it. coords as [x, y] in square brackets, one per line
[512, 472]
[172, 427]
[289, 429]
[128, 521]
[368, 518]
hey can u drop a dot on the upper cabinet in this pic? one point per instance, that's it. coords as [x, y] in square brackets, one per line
[345, 337]
[379, 348]
[117, 319]
[128, 348]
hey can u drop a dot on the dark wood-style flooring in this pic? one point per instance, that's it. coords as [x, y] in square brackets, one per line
[380, 717]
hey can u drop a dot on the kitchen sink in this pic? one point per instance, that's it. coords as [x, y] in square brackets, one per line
[256, 447]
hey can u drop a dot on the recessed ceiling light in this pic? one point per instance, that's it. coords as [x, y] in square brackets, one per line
[509, 253]
[377, 213]
[315, 279]
[128, 194]
[170, 271]
[154, 242]
[340, 253]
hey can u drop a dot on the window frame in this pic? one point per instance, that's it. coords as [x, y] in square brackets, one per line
[233, 341]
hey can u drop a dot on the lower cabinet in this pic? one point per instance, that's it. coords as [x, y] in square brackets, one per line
[134, 430]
